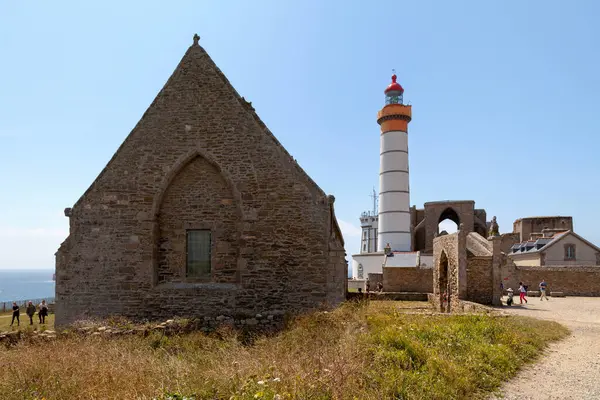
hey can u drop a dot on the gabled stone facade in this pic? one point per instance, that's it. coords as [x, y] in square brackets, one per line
[200, 158]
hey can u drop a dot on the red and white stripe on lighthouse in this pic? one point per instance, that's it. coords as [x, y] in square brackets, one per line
[394, 190]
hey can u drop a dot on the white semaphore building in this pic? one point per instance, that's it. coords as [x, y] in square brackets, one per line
[389, 228]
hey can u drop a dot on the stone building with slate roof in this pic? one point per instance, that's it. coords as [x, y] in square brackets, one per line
[200, 212]
[562, 249]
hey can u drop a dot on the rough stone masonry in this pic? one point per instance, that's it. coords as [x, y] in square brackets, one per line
[200, 159]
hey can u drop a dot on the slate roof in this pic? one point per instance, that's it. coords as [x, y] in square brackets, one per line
[535, 246]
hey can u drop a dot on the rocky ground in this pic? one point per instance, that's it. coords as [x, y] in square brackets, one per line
[569, 369]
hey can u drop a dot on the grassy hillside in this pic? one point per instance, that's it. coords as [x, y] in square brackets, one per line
[379, 350]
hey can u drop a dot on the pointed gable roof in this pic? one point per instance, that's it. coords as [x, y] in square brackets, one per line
[560, 236]
[543, 244]
[181, 80]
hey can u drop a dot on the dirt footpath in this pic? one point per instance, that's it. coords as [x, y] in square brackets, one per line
[570, 369]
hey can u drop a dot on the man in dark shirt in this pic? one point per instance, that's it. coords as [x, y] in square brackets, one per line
[15, 314]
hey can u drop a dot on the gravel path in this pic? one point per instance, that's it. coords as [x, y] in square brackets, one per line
[571, 367]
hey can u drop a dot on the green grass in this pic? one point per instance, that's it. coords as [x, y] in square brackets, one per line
[5, 319]
[366, 350]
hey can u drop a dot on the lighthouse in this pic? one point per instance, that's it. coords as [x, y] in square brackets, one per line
[394, 192]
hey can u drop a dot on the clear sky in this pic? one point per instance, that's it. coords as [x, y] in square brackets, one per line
[504, 95]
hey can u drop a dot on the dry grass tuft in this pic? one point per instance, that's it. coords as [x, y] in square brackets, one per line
[365, 351]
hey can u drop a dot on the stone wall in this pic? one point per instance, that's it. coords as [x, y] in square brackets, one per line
[408, 279]
[200, 158]
[479, 280]
[571, 281]
[355, 284]
[374, 279]
[388, 296]
[507, 240]
[526, 226]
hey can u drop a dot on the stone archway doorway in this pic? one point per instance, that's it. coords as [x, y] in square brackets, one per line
[444, 284]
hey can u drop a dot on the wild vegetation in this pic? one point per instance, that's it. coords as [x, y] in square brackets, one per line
[376, 350]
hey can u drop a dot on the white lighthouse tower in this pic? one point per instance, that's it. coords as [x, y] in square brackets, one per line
[394, 193]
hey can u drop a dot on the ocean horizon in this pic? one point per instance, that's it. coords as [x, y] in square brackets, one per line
[21, 284]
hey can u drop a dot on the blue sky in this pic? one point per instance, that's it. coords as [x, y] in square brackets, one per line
[504, 95]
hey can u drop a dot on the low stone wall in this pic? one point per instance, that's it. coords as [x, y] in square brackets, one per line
[374, 279]
[394, 296]
[355, 284]
[408, 279]
[571, 281]
[459, 306]
[258, 324]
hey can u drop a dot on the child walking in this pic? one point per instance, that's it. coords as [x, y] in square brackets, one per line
[522, 292]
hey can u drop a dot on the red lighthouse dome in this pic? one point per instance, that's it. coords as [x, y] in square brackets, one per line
[394, 86]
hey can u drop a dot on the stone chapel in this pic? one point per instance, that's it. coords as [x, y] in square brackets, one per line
[200, 212]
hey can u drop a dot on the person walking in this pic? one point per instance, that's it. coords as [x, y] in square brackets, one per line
[543, 287]
[43, 312]
[522, 293]
[30, 312]
[15, 314]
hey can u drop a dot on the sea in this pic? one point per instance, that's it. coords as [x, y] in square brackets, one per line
[25, 284]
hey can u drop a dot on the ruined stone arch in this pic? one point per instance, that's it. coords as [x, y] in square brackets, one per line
[451, 214]
[196, 193]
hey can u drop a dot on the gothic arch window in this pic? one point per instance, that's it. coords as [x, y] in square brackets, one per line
[197, 226]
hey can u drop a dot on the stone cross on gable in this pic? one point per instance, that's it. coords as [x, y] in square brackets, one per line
[196, 38]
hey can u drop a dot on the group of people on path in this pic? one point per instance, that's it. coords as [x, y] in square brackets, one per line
[543, 286]
[368, 287]
[30, 311]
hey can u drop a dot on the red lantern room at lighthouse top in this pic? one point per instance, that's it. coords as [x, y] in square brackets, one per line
[394, 92]
[395, 115]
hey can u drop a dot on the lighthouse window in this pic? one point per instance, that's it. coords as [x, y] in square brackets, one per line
[393, 99]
